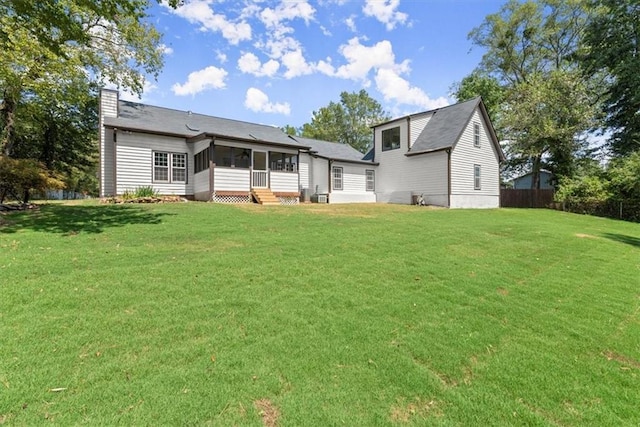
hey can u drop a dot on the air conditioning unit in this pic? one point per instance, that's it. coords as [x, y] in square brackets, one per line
[319, 198]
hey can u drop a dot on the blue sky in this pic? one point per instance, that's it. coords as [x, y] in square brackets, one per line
[275, 62]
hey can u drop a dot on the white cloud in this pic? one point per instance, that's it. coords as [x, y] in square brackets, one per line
[258, 101]
[351, 23]
[385, 12]
[126, 95]
[248, 63]
[296, 64]
[287, 11]
[277, 46]
[199, 81]
[395, 88]
[362, 59]
[166, 50]
[221, 56]
[201, 12]
[325, 31]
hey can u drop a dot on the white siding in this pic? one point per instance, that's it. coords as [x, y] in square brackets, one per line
[399, 177]
[284, 182]
[416, 126]
[319, 175]
[354, 184]
[231, 179]
[463, 158]
[426, 174]
[303, 170]
[134, 162]
[108, 108]
[390, 173]
[201, 185]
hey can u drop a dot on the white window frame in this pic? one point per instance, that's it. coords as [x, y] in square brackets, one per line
[161, 162]
[170, 167]
[337, 178]
[370, 180]
[476, 134]
[477, 177]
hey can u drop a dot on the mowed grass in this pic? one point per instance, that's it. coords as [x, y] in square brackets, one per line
[317, 315]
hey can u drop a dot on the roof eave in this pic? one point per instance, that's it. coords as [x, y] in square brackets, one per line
[335, 159]
[433, 150]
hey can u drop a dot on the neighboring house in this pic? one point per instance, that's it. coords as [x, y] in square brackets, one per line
[450, 155]
[524, 182]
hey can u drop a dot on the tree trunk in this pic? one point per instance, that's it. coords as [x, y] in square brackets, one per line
[49, 149]
[8, 111]
[535, 173]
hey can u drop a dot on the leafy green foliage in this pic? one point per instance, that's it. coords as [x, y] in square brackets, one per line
[531, 50]
[347, 122]
[613, 42]
[145, 191]
[53, 55]
[19, 176]
[488, 87]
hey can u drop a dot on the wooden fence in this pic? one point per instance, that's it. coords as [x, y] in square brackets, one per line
[511, 198]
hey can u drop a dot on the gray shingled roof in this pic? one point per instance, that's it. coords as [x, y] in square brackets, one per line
[332, 150]
[143, 117]
[444, 127]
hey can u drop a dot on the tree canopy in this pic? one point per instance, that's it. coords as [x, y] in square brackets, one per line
[53, 56]
[530, 74]
[612, 40]
[348, 121]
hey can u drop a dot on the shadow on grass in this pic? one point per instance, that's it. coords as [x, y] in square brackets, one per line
[629, 240]
[79, 219]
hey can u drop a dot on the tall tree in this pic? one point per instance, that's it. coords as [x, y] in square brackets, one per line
[532, 49]
[479, 84]
[348, 121]
[613, 48]
[50, 52]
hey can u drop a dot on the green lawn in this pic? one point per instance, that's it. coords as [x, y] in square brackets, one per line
[317, 315]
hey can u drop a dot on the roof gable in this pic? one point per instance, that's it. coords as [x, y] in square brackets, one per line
[445, 127]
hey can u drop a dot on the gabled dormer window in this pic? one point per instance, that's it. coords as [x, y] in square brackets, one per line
[391, 139]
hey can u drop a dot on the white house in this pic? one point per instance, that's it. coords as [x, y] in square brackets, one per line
[450, 155]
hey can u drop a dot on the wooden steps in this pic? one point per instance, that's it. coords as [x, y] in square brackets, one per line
[264, 196]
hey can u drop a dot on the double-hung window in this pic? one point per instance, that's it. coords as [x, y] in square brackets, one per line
[371, 180]
[337, 178]
[477, 170]
[476, 134]
[169, 167]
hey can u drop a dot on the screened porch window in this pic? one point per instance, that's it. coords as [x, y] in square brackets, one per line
[232, 157]
[283, 162]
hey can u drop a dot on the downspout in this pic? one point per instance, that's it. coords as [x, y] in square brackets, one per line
[115, 162]
[408, 133]
[211, 171]
[449, 178]
[330, 163]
